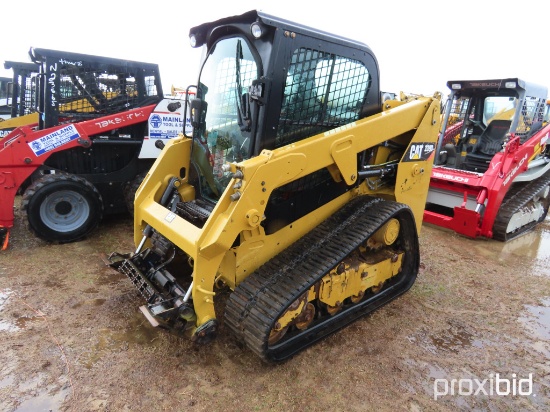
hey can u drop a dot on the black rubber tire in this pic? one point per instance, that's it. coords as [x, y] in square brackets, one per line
[62, 208]
[130, 190]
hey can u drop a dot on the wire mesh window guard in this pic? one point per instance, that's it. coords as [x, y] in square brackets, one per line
[322, 91]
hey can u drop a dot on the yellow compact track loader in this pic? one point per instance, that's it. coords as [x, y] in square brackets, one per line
[300, 193]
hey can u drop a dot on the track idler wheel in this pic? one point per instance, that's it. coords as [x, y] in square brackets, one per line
[306, 317]
[333, 310]
[276, 334]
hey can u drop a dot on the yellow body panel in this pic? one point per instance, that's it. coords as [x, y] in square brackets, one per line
[239, 212]
[28, 119]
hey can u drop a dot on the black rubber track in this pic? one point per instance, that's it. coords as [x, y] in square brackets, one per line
[513, 201]
[129, 191]
[256, 304]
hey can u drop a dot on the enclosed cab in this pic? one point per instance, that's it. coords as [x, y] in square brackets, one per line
[253, 99]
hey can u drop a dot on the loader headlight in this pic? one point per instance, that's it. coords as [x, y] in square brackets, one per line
[256, 30]
[197, 39]
[456, 86]
[510, 85]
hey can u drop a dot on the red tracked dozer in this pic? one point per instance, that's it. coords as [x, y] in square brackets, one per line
[92, 145]
[491, 175]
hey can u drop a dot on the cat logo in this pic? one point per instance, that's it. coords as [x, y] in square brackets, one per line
[416, 151]
[419, 151]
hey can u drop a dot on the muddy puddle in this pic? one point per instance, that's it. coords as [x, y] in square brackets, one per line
[138, 332]
[455, 338]
[6, 325]
[42, 393]
[48, 398]
[531, 249]
[537, 319]
[536, 322]
[17, 323]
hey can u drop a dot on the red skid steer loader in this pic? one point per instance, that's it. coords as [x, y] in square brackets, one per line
[96, 136]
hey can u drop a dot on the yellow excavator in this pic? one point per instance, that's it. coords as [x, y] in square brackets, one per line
[298, 197]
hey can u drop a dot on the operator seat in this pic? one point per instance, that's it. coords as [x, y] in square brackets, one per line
[489, 143]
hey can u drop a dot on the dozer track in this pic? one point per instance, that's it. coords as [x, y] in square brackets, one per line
[515, 200]
[277, 311]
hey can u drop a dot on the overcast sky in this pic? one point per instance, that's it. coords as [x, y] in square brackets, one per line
[419, 44]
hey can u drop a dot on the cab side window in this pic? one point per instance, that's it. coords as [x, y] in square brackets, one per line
[322, 91]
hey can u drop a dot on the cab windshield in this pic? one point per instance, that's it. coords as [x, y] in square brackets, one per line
[224, 81]
[499, 107]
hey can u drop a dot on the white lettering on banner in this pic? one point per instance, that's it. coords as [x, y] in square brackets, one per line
[70, 63]
[54, 140]
[165, 126]
[450, 177]
[485, 84]
[118, 120]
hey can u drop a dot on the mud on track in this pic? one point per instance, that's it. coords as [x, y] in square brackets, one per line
[73, 339]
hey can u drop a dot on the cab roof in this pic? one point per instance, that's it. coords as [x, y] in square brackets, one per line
[203, 32]
[512, 84]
